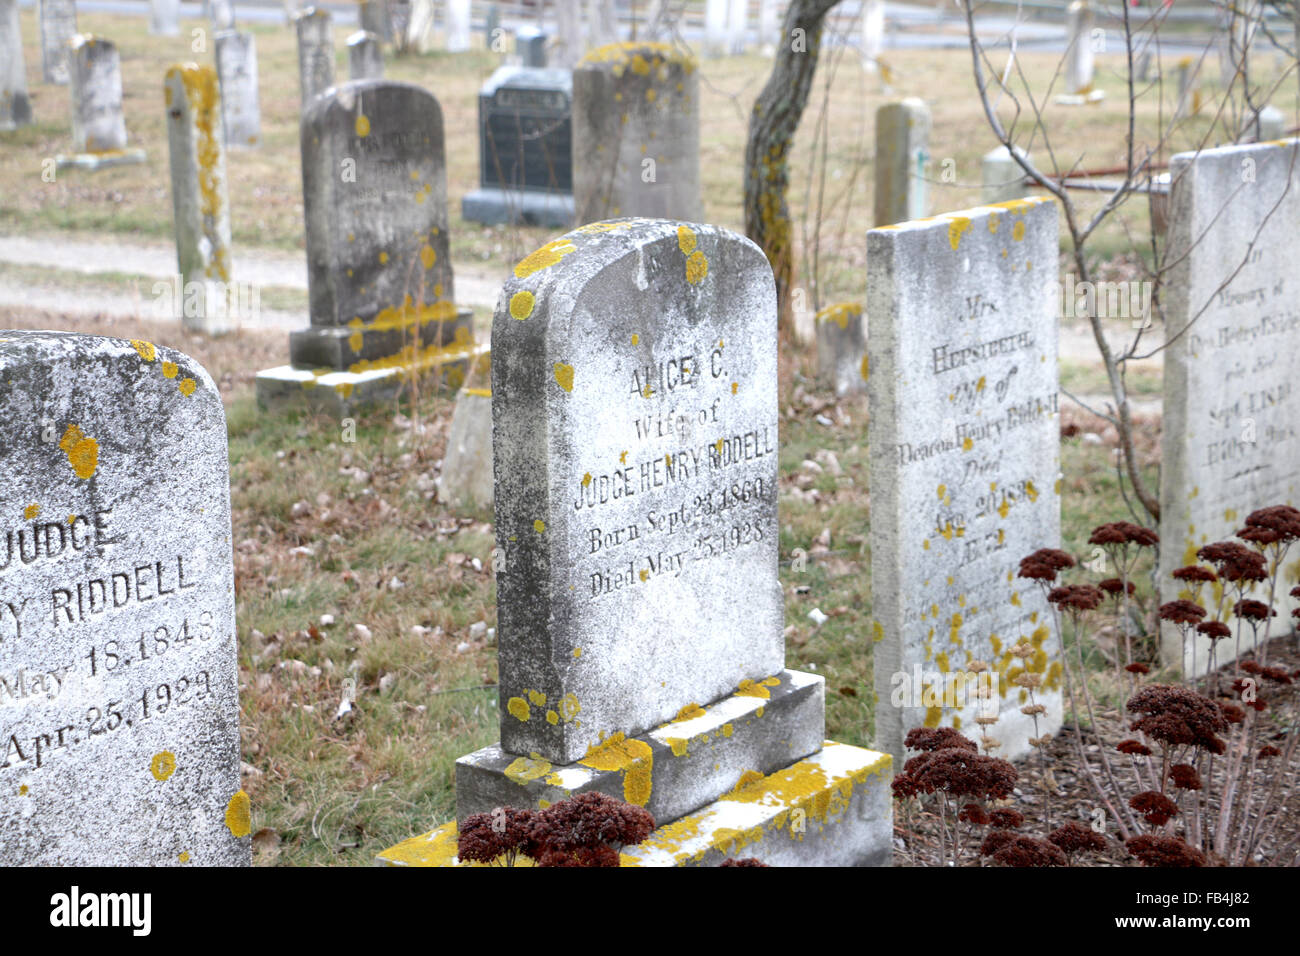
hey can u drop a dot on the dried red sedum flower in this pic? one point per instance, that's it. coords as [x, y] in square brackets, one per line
[1214, 630]
[1023, 851]
[1185, 777]
[1076, 597]
[1196, 574]
[1164, 851]
[1114, 587]
[1134, 747]
[1074, 837]
[930, 739]
[1253, 610]
[1182, 612]
[1155, 807]
[1178, 716]
[1006, 818]
[974, 814]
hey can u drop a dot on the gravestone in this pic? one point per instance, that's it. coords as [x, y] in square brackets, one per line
[420, 34]
[1002, 178]
[1230, 440]
[315, 53]
[399, 17]
[221, 14]
[241, 111]
[525, 149]
[715, 26]
[374, 17]
[466, 477]
[964, 433]
[530, 43]
[164, 16]
[636, 133]
[58, 26]
[378, 264]
[873, 33]
[842, 347]
[365, 57]
[458, 23]
[118, 677]
[95, 87]
[200, 205]
[15, 105]
[1189, 88]
[1079, 57]
[640, 647]
[1272, 124]
[602, 23]
[902, 152]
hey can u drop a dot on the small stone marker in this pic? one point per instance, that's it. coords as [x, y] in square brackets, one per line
[164, 16]
[119, 700]
[374, 17]
[315, 53]
[964, 434]
[365, 56]
[1079, 57]
[378, 268]
[241, 111]
[1272, 124]
[842, 347]
[95, 85]
[1231, 435]
[902, 151]
[1189, 89]
[58, 26]
[1003, 179]
[15, 106]
[458, 25]
[636, 133]
[200, 206]
[530, 43]
[466, 478]
[640, 648]
[525, 149]
[221, 14]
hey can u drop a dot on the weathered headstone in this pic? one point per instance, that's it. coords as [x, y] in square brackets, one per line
[119, 709]
[1189, 88]
[636, 133]
[873, 33]
[1272, 124]
[1079, 57]
[421, 34]
[525, 150]
[902, 152]
[221, 14]
[530, 43]
[241, 111]
[962, 315]
[15, 106]
[200, 205]
[373, 17]
[378, 265]
[315, 53]
[164, 17]
[95, 87]
[466, 478]
[842, 347]
[634, 409]
[1002, 178]
[365, 56]
[1231, 434]
[458, 25]
[58, 26]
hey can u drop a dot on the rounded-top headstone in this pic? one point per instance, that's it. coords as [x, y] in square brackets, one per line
[634, 412]
[636, 133]
[119, 710]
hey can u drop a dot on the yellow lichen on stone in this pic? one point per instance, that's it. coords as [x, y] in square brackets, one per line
[82, 452]
[170, 369]
[689, 712]
[187, 386]
[552, 718]
[521, 304]
[147, 350]
[956, 227]
[697, 267]
[362, 126]
[1018, 230]
[749, 688]
[526, 770]
[543, 258]
[569, 706]
[633, 757]
[686, 239]
[536, 698]
[30, 512]
[839, 313]
[677, 745]
[539, 526]
[163, 765]
[238, 814]
[564, 376]
[518, 708]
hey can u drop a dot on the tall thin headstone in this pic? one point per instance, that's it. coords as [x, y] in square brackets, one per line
[458, 25]
[640, 647]
[120, 688]
[95, 88]
[241, 111]
[873, 33]
[365, 56]
[200, 204]
[902, 152]
[15, 105]
[378, 263]
[421, 33]
[373, 17]
[1079, 56]
[962, 315]
[315, 53]
[164, 17]
[58, 26]
[1001, 177]
[1231, 435]
[636, 133]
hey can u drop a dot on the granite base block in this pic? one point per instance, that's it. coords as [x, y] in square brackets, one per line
[494, 207]
[92, 162]
[672, 770]
[342, 393]
[342, 348]
[833, 808]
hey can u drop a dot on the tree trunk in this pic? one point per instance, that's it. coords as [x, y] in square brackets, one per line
[771, 132]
